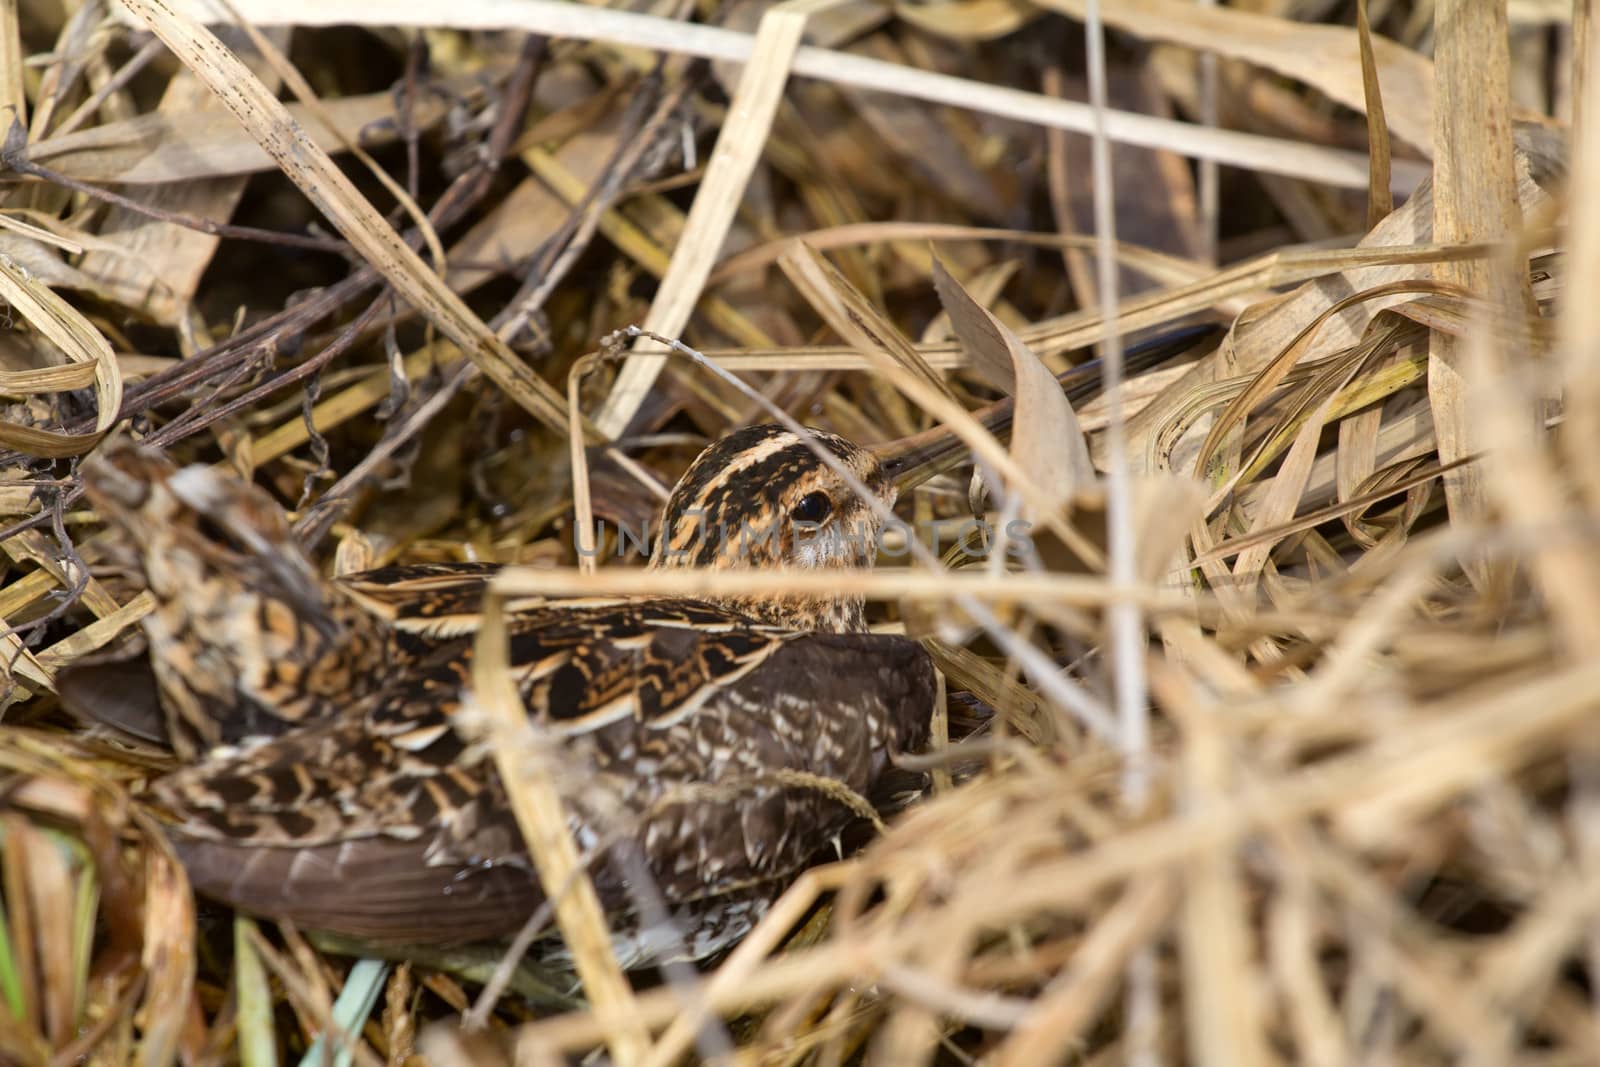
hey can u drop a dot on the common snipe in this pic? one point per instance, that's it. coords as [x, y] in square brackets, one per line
[328, 786]
[324, 781]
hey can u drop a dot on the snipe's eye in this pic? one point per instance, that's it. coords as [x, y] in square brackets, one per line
[813, 507]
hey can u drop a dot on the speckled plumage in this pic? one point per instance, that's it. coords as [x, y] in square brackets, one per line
[325, 781]
[245, 638]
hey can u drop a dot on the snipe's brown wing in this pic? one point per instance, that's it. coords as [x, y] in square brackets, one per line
[712, 745]
[425, 603]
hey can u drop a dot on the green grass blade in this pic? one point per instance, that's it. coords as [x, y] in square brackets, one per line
[350, 1011]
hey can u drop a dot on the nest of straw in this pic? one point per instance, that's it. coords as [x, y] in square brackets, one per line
[1290, 752]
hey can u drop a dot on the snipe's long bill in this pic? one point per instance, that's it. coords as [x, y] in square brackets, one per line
[322, 779]
[912, 460]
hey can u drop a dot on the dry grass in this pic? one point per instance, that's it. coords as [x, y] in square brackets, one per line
[1289, 753]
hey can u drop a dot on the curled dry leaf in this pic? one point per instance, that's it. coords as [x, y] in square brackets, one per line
[35, 256]
[1164, 508]
[1540, 159]
[1261, 336]
[1046, 441]
[66, 328]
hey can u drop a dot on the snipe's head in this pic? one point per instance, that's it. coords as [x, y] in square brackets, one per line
[760, 498]
[198, 533]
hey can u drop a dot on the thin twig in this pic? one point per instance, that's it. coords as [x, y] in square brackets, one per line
[15, 156]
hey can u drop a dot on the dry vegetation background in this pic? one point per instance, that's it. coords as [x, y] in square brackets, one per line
[1360, 821]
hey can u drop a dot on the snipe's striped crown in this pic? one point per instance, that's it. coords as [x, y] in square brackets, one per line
[761, 498]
